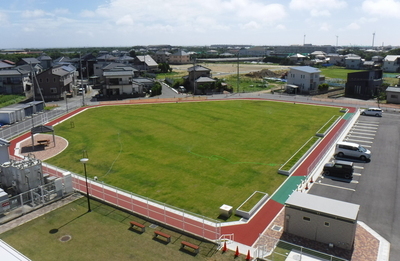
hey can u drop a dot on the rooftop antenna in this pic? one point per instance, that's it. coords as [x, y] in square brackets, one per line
[304, 40]
[337, 40]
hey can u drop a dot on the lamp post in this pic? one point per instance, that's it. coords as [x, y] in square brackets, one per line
[84, 161]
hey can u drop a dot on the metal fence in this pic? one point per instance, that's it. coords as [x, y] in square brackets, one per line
[33, 199]
[10, 131]
[157, 211]
[287, 251]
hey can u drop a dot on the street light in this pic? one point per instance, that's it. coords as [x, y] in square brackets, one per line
[84, 161]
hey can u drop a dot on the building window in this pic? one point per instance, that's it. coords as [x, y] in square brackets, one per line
[307, 219]
[327, 224]
[53, 90]
[393, 96]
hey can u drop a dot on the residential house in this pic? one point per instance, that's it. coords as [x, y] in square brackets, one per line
[161, 56]
[118, 81]
[29, 61]
[179, 57]
[145, 63]
[391, 63]
[6, 64]
[45, 61]
[199, 78]
[335, 59]
[353, 62]
[15, 81]
[393, 95]
[320, 55]
[321, 219]
[307, 78]
[364, 84]
[56, 82]
[297, 58]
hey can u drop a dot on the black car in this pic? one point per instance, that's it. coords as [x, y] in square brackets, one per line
[339, 168]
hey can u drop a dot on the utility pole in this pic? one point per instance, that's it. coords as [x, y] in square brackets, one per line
[373, 40]
[83, 91]
[237, 82]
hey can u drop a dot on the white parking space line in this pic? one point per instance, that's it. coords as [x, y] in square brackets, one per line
[362, 137]
[358, 167]
[333, 186]
[356, 174]
[367, 124]
[363, 133]
[365, 127]
[346, 139]
[366, 146]
[363, 130]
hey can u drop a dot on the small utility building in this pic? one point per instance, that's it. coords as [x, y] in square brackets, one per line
[321, 219]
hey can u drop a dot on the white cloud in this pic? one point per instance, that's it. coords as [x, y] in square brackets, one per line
[384, 8]
[316, 13]
[353, 26]
[126, 20]
[324, 27]
[3, 18]
[280, 27]
[317, 4]
[33, 14]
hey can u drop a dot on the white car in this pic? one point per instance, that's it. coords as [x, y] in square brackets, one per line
[372, 112]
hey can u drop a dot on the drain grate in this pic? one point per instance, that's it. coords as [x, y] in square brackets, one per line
[277, 228]
[153, 226]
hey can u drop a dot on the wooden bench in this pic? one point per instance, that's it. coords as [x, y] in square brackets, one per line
[159, 233]
[44, 142]
[136, 224]
[190, 245]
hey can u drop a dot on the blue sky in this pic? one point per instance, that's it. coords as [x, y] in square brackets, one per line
[84, 23]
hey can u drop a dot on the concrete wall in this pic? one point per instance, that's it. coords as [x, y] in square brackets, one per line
[320, 228]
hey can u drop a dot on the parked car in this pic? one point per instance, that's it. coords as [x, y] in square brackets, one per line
[339, 168]
[372, 112]
[354, 150]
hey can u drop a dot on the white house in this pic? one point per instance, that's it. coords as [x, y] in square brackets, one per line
[307, 78]
[391, 63]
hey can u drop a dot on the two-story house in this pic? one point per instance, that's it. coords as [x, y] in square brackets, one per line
[199, 77]
[179, 57]
[15, 81]
[118, 81]
[56, 82]
[391, 63]
[145, 63]
[353, 62]
[363, 85]
[306, 78]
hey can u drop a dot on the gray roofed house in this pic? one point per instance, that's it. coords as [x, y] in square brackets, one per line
[321, 219]
[15, 81]
[6, 65]
[145, 63]
[393, 94]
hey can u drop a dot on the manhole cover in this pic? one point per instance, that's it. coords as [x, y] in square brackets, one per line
[65, 238]
[153, 226]
[277, 228]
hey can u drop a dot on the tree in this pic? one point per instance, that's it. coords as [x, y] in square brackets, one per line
[156, 89]
[164, 67]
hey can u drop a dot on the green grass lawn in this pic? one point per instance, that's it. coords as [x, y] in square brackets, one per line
[195, 156]
[102, 234]
[337, 72]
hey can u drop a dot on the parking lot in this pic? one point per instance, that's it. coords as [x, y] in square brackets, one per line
[374, 186]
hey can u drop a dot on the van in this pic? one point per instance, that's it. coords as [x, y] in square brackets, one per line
[339, 168]
[372, 112]
[350, 149]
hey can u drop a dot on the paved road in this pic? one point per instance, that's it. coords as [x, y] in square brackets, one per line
[375, 186]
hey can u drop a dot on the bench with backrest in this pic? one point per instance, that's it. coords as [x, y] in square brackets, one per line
[137, 224]
[190, 245]
[162, 234]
